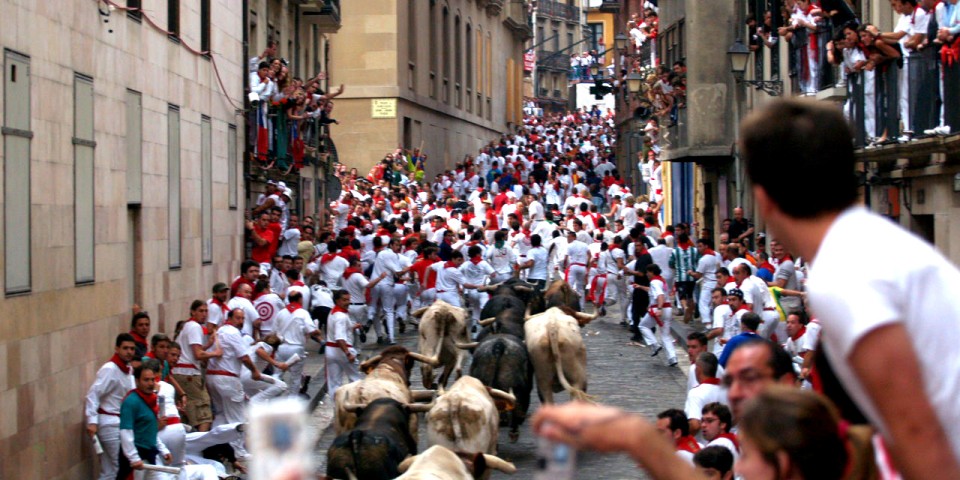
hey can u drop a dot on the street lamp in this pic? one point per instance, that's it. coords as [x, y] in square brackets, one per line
[739, 56]
[634, 83]
[620, 41]
[594, 69]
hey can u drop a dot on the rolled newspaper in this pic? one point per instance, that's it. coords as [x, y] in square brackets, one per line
[161, 468]
[293, 359]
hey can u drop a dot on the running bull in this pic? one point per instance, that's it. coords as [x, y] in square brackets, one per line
[442, 326]
[466, 417]
[501, 361]
[440, 463]
[557, 352]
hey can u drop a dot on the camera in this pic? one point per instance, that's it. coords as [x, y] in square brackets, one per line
[254, 99]
[555, 461]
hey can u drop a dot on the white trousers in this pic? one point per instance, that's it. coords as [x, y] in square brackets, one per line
[293, 375]
[358, 314]
[452, 297]
[383, 294]
[475, 302]
[337, 366]
[226, 398]
[576, 276]
[175, 438]
[663, 332]
[904, 91]
[703, 303]
[259, 391]
[197, 442]
[108, 432]
[400, 292]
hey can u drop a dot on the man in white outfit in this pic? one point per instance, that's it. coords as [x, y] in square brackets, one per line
[294, 325]
[341, 356]
[578, 259]
[223, 375]
[114, 380]
[475, 271]
[387, 261]
[660, 315]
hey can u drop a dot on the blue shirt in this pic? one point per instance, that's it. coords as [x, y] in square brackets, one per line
[136, 415]
[733, 343]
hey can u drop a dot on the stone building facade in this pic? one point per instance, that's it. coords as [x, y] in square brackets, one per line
[120, 160]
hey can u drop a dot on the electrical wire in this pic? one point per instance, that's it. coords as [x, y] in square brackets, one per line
[208, 53]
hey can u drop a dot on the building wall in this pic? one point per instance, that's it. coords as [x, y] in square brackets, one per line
[54, 337]
[606, 19]
[373, 56]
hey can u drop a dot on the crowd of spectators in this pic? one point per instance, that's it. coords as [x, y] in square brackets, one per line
[288, 114]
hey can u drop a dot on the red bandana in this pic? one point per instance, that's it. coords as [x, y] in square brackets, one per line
[326, 257]
[138, 339]
[149, 399]
[297, 283]
[338, 309]
[350, 271]
[223, 307]
[711, 381]
[732, 437]
[688, 444]
[476, 259]
[123, 366]
[799, 334]
[293, 307]
[658, 277]
[449, 265]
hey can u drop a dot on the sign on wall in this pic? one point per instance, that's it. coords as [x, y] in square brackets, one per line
[383, 108]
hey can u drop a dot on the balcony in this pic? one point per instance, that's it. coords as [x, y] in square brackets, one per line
[519, 21]
[494, 7]
[610, 6]
[325, 14]
[553, 61]
[559, 11]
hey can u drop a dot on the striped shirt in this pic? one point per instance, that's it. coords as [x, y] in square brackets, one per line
[683, 260]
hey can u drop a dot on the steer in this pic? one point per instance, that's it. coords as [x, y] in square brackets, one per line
[501, 361]
[561, 294]
[377, 445]
[439, 463]
[557, 352]
[388, 376]
[442, 326]
[465, 417]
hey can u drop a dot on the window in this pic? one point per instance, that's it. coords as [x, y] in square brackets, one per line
[469, 60]
[206, 191]
[412, 38]
[133, 11]
[232, 167]
[16, 172]
[83, 184]
[569, 39]
[173, 19]
[134, 147]
[447, 58]
[205, 26]
[479, 71]
[434, 54]
[555, 40]
[458, 64]
[173, 186]
[596, 35]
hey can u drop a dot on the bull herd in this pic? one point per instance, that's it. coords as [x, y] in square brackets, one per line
[525, 334]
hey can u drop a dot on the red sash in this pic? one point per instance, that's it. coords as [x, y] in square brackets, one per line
[799, 334]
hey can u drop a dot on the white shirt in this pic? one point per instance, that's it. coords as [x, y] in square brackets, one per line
[294, 327]
[854, 294]
[215, 314]
[723, 318]
[387, 261]
[501, 259]
[268, 307]
[192, 334]
[339, 327]
[803, 344]
[356, 285]
[577, 252]
[109, 389]
[305, 296]
[707, 266]
[332, 271]
[701, 395]
[234, 348]
[539, 269]
[448, 278]
[249, 313]
[661, 256]
[725, 443]
[476, 273]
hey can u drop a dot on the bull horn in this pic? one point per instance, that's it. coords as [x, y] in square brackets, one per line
[405, 464]
[486, 288]
[425, 359]
[353, 407]
[372, 361]
[418, 395]
[419, 407]
[523, 288]
[507, 397]
[486, 321]
[467, 346]
[419, 312]
[586, 317]
[498, 463]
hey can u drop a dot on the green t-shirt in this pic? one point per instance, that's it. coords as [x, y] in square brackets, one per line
[136, 415]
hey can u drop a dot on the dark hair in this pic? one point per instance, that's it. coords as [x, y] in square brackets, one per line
[678, 421]
[339, 293]
[780, 361]
[811, 144]
[654, 268]
[715, 457]
[151, 364]
[721, 411]
[144, 366]
[196, 304]
[707, 364]
[124, 337]
[456, 254]
[535, 240]
[157, 338]
[706, 242]
[698, 336]
[138, 316]
[295, 296]
[750, 320]
[246, 266]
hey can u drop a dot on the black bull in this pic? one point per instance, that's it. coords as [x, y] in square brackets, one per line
[375, 447]
[500, 361]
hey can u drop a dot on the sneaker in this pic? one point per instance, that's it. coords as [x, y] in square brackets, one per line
[402, 326]
[392, 342]
[656, 350]
[379, 340]
[305, 384]
[363, 336]
[904, 138]
[942, 130]
[636, 338]
[932, 131]
[672, 364]
[603, 311]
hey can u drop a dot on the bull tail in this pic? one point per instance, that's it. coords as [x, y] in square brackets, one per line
[553, 334]
[499, 348]
[356, 437]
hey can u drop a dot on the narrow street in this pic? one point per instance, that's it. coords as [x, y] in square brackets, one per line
[621, 374]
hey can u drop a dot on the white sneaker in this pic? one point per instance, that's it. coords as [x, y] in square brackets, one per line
[943, 130]
[932, 131]
[903, 138]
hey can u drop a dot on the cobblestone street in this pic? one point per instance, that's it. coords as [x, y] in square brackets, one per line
[621, 374]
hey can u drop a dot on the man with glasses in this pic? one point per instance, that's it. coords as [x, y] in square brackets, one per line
[755, 364]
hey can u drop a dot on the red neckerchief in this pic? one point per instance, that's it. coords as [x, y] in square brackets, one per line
[685, 245]
[799, 334]
[338, 309]
[152, 355]
[711, 381]
[297, 283]
[449, 265]
[347, 252]
[123, 366]
[688, 444]
[732, 437]
[150, 400]
[767, 265]
[223, 306]
[786, 258]
[658, 277]
[476, 259]
[709, 251]
[138, 339]
[293, 307]
[742, 307]
[350, 271]
[327, 257]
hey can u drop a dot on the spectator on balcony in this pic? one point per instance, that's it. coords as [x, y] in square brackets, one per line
[767, 33]
[263, 87]
[268, 53]
[942, 33]
[858, 69]
[880, 58]
[910, 32]
[804, 22]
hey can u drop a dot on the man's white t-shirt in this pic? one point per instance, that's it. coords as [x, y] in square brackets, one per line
[268, 307]
[854, 294]
[723, 318]
[701, 395]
